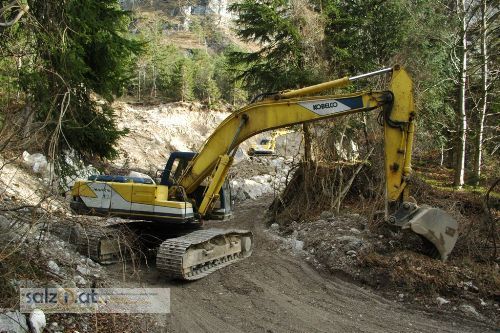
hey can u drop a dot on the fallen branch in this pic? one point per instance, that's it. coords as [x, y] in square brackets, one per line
[348, 185]
[13, 5]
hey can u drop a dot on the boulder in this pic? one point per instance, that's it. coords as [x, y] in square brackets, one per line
[350, 242]
[326, 214]
[53, 266]
[13, 322]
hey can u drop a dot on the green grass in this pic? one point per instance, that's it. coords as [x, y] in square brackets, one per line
[442, 179]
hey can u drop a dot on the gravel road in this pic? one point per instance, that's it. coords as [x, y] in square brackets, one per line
[275, 291]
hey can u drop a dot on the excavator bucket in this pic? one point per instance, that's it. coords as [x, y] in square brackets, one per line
[434, 224]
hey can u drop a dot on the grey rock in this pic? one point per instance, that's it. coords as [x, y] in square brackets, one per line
[298, 245]
[441, 301]
[351, 242]
[92, 263]
[275, 226]
[79, 280]
[37, 321]
[83, 270]
[470, 286]
[13, 322]
[354, 231]
[469, 309]
[53, 266]
[351, 253]
[326, 214]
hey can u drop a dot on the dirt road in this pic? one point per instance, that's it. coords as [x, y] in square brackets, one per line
[274, 291]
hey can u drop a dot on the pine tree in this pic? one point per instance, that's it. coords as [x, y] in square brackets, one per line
[182, 80]
[284, 59]
[363, 35]
[79, 53]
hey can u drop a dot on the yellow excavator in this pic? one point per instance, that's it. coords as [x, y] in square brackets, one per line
[193, 186]
[267, 145]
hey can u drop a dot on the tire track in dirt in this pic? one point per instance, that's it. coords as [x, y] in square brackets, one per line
[273, 291]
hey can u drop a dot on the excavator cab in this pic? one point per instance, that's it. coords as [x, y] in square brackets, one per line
[175, 167]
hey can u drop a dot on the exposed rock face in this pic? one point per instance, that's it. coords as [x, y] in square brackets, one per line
[185, 8]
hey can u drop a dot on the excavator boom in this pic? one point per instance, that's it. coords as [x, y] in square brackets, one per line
[272, 114]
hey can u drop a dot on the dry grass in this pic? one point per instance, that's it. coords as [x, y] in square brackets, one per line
[413, 272]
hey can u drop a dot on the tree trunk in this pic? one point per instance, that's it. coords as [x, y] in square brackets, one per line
[153, 88]
[459, 178]
[139, 85]
[307, 144]
[307, 161]
[484, 99]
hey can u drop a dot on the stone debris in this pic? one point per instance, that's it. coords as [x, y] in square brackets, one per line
[351, 253]
[354, 231]
[350, 242]
[470, 286]
[91, 263]
[37, 321]
[53, 266]
[79, 280]
[298, 245]
[37, 162]
[83, 270]
[13, 321]
[442, 301]
[469, 309]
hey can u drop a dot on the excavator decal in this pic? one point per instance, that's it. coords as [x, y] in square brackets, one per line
[329, 106]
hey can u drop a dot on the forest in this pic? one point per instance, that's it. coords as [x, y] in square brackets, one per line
[61, 57]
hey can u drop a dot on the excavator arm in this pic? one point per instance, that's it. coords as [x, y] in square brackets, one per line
[289, 108]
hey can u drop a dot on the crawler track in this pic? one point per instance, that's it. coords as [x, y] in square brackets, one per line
[175, 256]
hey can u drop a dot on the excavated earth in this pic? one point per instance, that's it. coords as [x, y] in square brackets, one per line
[276, 290]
